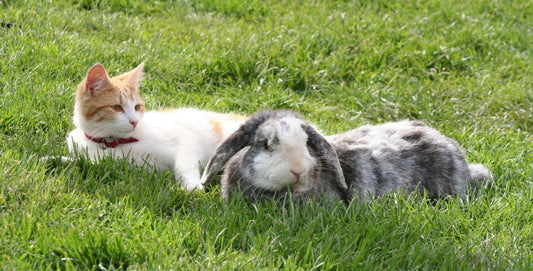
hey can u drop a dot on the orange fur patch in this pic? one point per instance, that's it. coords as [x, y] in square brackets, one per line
[236, 117]
[218, 120]
[217, 127]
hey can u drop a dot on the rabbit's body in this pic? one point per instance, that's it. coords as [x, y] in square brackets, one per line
[404, 155]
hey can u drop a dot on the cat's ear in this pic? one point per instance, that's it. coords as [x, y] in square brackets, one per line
[136, 74]
[97, 79]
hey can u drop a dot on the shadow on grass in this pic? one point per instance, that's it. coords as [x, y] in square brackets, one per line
[117, 180]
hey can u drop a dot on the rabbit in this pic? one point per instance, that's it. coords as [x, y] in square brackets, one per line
[277, 155]
[405, 155]
[269, 153]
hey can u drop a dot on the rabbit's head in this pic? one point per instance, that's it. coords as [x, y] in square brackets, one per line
[278, 155]
[278, 151]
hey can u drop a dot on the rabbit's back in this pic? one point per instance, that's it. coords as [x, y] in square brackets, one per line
[401, 155]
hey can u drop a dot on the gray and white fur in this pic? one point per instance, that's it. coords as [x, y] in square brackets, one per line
[405, 155]
[277, 155]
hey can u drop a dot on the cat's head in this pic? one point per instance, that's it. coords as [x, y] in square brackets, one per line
[109, 107]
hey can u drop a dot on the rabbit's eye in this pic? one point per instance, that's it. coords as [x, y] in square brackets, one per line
[266, 146]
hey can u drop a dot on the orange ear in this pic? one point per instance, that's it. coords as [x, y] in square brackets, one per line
[96, 79]
[136, 74]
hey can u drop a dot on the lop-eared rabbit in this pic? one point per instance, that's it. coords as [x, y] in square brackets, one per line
[276, 154]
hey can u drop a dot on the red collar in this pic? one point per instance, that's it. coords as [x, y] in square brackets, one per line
[111, 142]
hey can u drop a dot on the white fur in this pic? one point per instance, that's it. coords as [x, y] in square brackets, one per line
[181, 139]
[288, 162]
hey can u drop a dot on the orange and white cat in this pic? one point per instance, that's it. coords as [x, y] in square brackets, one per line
[110, 120]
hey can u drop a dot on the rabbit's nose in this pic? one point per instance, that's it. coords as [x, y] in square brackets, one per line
[296, 174]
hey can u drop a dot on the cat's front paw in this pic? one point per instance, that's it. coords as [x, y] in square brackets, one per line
[192, 186]
[197, 187]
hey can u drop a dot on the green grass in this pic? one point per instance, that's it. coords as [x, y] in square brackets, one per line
[463, 67]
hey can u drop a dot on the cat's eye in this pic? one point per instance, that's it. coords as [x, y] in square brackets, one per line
[117, 108]
[138, 107]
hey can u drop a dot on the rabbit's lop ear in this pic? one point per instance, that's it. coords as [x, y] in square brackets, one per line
[328, 156]
[241, 138]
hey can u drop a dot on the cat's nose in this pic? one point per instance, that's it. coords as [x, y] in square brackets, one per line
[134, 123]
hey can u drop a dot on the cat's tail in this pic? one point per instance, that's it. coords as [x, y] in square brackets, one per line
[479, 175]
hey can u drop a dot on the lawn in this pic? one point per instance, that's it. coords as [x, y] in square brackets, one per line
[463, 67]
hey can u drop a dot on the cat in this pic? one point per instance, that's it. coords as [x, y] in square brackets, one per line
[110, 120]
